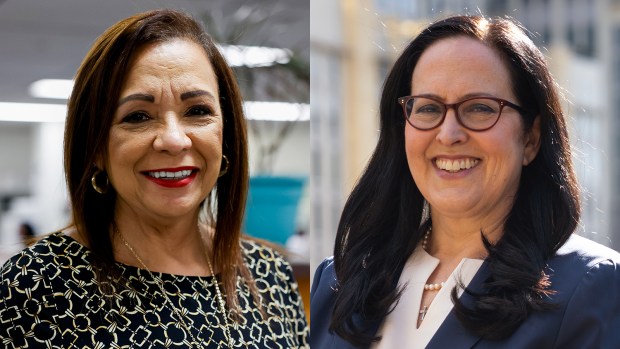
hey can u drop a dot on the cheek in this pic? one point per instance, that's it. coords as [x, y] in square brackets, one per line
[209, 140]
[507, 145]
[415, 146]
[409, 142]
[125, 149]
[217, 134]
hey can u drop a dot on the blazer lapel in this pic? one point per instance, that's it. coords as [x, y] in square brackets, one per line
[451, 334]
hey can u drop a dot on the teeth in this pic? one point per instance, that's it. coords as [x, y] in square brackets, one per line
[170, 175]
[455, 165]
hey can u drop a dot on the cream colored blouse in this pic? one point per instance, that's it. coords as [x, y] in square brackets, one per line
[399, 328]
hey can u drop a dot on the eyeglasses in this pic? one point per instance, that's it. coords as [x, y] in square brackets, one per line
[476, 113]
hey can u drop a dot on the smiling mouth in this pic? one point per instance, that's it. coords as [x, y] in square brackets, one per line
[453, 166]
[170, 175]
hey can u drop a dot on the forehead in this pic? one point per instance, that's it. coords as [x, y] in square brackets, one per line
[175, 60]
[166, 49]
[461, 65]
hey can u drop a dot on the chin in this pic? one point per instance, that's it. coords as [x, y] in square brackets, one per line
[172, 209]
[453, 206]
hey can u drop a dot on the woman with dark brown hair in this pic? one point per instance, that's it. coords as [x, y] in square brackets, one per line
[157, 170]
[459, 234]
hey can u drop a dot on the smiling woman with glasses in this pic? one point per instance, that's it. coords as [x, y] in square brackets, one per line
[459, 234]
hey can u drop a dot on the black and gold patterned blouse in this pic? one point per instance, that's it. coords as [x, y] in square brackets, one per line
[49, 298]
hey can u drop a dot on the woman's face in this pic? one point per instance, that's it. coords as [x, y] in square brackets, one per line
[464, 173]
[165, 147]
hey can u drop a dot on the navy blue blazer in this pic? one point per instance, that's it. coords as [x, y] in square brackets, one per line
[586, 276]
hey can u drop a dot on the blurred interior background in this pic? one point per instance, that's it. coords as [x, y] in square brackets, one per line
[354, 42]
[266, 41]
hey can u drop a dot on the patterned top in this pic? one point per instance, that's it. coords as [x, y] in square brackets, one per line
[49, 298]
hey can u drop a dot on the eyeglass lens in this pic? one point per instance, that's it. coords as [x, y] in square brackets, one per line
[476, 114]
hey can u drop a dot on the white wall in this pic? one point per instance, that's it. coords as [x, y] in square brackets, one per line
[49, 197]
[15, 155]
[16, 161]
[293, 155]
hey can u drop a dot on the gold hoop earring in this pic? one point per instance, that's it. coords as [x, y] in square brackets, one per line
[224, 170]
[93, 182]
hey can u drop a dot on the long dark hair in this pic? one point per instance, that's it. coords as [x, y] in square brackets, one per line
[91, 109]
[383, 219]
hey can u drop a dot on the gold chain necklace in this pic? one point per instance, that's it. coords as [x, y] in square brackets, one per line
[159, 283]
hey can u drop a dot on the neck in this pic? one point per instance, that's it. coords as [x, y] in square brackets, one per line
[175, 248]
[455, 240]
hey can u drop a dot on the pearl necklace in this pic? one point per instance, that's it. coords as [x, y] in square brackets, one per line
[430, 287]
[176, 311]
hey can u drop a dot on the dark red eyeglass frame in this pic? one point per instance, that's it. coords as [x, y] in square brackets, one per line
[502, 103]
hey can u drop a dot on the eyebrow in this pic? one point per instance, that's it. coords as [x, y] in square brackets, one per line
[196, 93]
[150, 98]
[137, 97]
[466, 96]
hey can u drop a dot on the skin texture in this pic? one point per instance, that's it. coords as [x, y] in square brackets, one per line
[466, 201]
[453, 69]
[167, 132]
[168, 117]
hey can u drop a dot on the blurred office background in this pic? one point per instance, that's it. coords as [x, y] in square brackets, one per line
[354, 42]
[48, 39]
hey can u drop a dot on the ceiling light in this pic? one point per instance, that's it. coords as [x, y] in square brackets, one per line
[255, 56]
[32, 112]
[277, 111]
[51, 88]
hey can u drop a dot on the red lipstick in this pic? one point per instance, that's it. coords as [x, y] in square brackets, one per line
[176, 177]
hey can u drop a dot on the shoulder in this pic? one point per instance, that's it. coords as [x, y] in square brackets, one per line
[324, 276]
[322, 301]
[254, 250]
[324, 285]
[586, 249]
[582, 267]
[252, 246]
[580, 259]
[588, 274]
[34, 282]
[50, 249]
[265, 261]
[323, 291]
[581, 254]
[49, 264]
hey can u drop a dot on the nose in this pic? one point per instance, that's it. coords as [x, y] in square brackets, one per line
[451, 131]
[172, 137]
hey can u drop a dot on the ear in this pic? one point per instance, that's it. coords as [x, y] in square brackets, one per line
[531, 142]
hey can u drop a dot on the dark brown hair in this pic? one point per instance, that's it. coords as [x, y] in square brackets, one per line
[91, 109]
[383, 219]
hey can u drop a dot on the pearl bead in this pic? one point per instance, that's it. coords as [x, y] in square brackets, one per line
[433, 287]
[430, 287]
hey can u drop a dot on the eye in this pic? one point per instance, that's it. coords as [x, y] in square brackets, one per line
[136, 117]
[199, 110]
[480, 108]
[427, 108]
